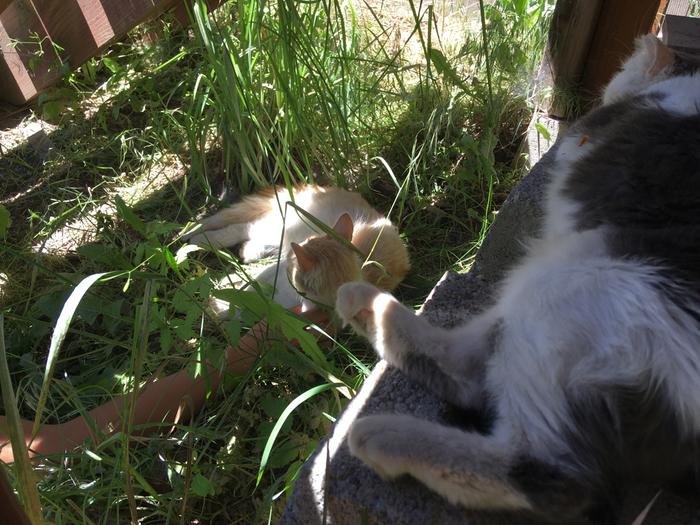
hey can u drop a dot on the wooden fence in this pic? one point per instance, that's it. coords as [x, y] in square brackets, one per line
[40, 40]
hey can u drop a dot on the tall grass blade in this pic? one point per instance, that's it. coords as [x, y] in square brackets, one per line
[283, 417]
[59, 334]
[639, 520]
[138, 354]
[23, 467]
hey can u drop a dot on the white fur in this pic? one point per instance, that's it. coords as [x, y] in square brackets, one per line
[637, 72]
[560, 211]
[296, 226]
[640, 76]
[680, 95]
[275, 232]
[573, 321]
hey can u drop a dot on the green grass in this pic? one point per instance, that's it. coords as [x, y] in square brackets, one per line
[150, 136]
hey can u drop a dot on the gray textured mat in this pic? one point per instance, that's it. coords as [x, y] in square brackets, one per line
[335, 488]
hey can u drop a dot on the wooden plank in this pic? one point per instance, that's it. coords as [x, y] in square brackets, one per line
[570, 35]
[619, 23]
[678, 7]
[81, 27]
[682, 32]
[24, 62]
[659, 19]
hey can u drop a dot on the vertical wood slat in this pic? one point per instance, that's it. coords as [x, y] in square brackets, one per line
[682, 33]
[570, 35]
[588, 41]
[21, 69]
[619, 24]
[678, 7]
[81, 27]
[659, 18]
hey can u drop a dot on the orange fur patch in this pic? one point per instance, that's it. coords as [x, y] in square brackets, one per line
[334, 265]
[388, 258]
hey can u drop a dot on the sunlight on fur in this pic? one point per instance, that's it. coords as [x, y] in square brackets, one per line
[586, 361]
[314, 261]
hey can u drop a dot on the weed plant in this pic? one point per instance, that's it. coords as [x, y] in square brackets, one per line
[421, 114]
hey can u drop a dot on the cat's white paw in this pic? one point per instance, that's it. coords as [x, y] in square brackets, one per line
[363, 306]
[371, 440]
[197, 239]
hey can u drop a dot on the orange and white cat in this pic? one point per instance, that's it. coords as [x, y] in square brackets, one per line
[313, 264]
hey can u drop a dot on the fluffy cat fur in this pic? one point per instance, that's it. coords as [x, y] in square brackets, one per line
[313, 264]
[589, 360]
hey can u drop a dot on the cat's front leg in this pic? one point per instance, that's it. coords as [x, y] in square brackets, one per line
[376, 315]
[225, 237]
[467, 468]
[495, 471]
[451, 363]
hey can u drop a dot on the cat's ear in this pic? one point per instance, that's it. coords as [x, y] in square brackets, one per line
[343, 226]
[648, 64]
[658, 55]
[304, 258]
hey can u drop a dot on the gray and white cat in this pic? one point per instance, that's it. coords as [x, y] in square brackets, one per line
[589, 360]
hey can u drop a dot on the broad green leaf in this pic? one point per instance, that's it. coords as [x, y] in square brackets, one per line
[111, 64]
[446, 70]
[170, 259]
[5, 220]
[542, 130]
[272, 406]
[202, 487]
[161, 227]
[104, 254]
[281, 356]
[247, 300]
[232, 327]
[284, 456]
[292, 327]
[166, 340]
[52, 109]
[129, 216]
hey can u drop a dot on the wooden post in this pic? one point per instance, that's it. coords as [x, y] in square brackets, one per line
[619, 24]
[682, 33]
[588, 41]
[659, 18]
[570, 35]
